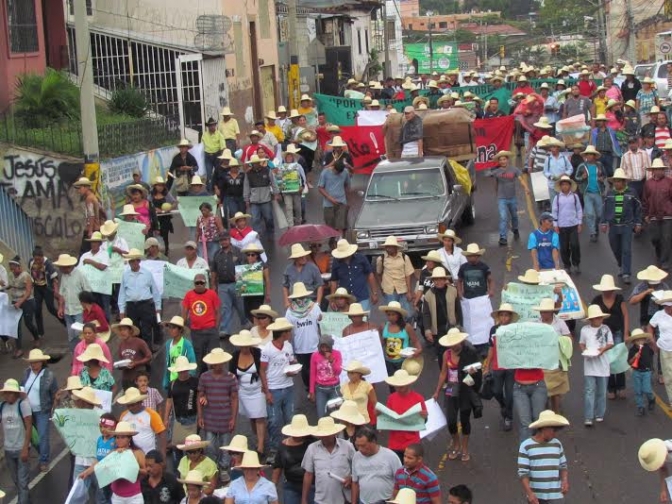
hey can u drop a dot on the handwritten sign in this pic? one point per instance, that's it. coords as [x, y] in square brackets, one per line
[333, 323]
[116, 267]
[115, 466]
[100, 281]
[366, 348]
[188, 207]
[9, 317]
[409, 420]
[132, 233]
[527, 345]
[477, 320]
[79, 429]
[436, 420]
[250, 279]
[524, 297]
[177, 281]
[343, 111]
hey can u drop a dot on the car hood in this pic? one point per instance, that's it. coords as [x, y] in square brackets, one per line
[397, 213]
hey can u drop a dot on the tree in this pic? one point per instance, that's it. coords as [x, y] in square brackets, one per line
[564, 16]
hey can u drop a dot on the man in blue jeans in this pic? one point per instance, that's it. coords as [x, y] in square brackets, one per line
[544, 244]
[223, 275]
[17, 423]
[259, 189]
[507, 202]
[276, 355]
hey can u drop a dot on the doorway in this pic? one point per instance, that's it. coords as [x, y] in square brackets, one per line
[256, 81]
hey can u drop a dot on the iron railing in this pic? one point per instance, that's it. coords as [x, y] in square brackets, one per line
[16, 228]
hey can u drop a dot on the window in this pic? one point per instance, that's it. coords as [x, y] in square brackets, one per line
[392, 31]
[443, 24]
[359, 40]
[89, 8]
[22, 26]
[366, 40]
[410, 26]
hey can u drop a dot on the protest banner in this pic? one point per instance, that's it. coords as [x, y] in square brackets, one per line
[99, 281]
[177, 281]
[436, 420]
[527, 345]
[572, 306]
[371, 117]
[366, 144]
[492, 135]
[343, 111]
[132, 233]
[188, 207]
[366, 348]
[250, 279]
[115, 466]
[523, 297]
[437, 56]
[409, 420]
[156, 268]
[9, 317]
[116, 267]
[79, 429]
[476, 314]
[333, 323]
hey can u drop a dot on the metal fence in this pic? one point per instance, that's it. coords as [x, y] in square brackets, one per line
[16, 228]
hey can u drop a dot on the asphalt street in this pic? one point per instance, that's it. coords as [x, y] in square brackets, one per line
[603, 465]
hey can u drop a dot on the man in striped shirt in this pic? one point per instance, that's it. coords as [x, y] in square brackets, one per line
[542, 466]
[635, 162]
[417, 476]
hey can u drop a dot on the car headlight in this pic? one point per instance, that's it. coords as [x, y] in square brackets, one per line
[362, 235]
[432, 229]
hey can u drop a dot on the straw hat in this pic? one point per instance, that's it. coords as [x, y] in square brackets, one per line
[544, 85]
[125, 322]
[131, 396]
[543, 123]
[282, 109]
[394, 306]
[327, 427]
[349, 412]
[591, 150]
[506, 307]
[73, 383]
[271, 115]
[226, 111]
[182, 364]
[545, 305]
[530, 277]
[151, 242]
[298, 251]
[355, 366]
[450, 233]
[554, 142]
[298, 427]
[299, 291]
[652, 454]
[548, 418]
[109, 228]
[338, 142]
[36, 355]
[401, 378]
[88, 395]
[128, 210]
[65, 260]
[413, 365]
[196, 180]
[136, 187]
[666, 299]
[565, 178]
[194, 477]
[636, 334]
[291, 149]
[176, 320]
[434, 256]
[93, 352]
[356, 310]
[96, 236]
[652, 274]
[280, 324]
[244, 339]
[193, 442]
[265, 309]
[184, 143]
[238, 444]
[404, 496]
[606, 284]
[342, 292]
[648, 80]
[612, 103]
[253, 248]
[473, 249]
[226, 154]
[343, 249]
[439, 272]
[256, 133]
[391, 241]
[239, 215]
[594, 311]
[159, 180]
[504, 153]
[522, 78]
[217, 356]
[453, 337]
[293, 113]
[632, 104]
[656, 164]
[83, 182]
[668, 144]
[250, 461]
[12, 385]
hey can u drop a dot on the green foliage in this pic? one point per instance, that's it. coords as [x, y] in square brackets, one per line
[374, 65]
[45, 99]
[564, 16]
[129, 101]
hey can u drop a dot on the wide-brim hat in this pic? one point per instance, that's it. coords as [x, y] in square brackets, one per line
[83, 182]
[126, 322]
[636, 334]
[543, 123]
[504, 153]
[131, 396]
[594, 311]
[450, 233]
[244, 339]
[12, 385]
[176, 321]
[433, 255]
[591, 150]
[109, 228]
[88, 395]
[193, 442]
[453, 337]
[652, 274]
[271, 115]
[297, 251]
[549, 418]
[565, 178]
[349, 412]
[211, 122]
[554, 142]
[530, 277]
[298, 427]
[36, 355]
[226, 111]
[194, 477]
[217, 356]
[545, 305]
[355, 366]
[652, 454]
[93, 352]
[65, 260]
[439, 272]
[327, 427]
[632, 104]
[394, 306]
[73, 383]
[619, 174]
[665, 298]
[281, 324]
[401, 378]
[291, 149]
[342, 292]
[299, 291]
[136, 187]
[265, 310]
[182, 364]
[250, 461]
[473, 249]
[128, 210]
[612, 103]
[159, 181]
[196, 180]
[414, 365]
[239, 215]
[226, 154]
[392, 241]
[404, 496]
[184, 143]
[343, 249]
[606, 284]
[238, 444]
[282, 109]
[338, 142]
[356, 310]
[253, 248]
[648, 80]
[657, 164]
[96, 236]
[507, 308]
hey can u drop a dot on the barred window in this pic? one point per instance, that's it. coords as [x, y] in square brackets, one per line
[89, 7]
[22, 26]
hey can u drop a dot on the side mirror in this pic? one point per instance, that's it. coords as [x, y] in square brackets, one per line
[458, 188]
[360, 194]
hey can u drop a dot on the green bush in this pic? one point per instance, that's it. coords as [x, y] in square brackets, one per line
[45, 99]
[130, 101]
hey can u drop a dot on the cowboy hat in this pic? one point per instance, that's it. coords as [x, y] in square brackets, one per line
[619, 174]
[128, 210]
[193, 442]
[591, 150]
[176, 320]
[182, 364]
[265, 310]
[238, 444]
[126, 322]
[299, 291]
[434, 256]
[133, 254]
[239, 215]
[298, 427]
[413, 365]
[638, 334]
[554, 142]
[293, 113]
[473, 249]
[530, 277]
[196, 180]
[391, 241]
[184, 143]
[652, 454]
[271, 115]
[151, 242]
[83, 182]
[211, 122]
[343, 249]
[12, 385]
[374, 103]
[665, 299]
[136, 187]
[226, 154]
[450, 233]
[668, 144]
[453, 337]
[543, 123]
[632, 104]
[217, 356]
[291, 149]
[226, 111]
[327, 427]
[648, 80]
[250, 461]
[544, 85]
[548, 418]
[606, 284]
[96, 236]
[88, 395]
[545, 305]
[356, 310]
[506, 307]
[297, 251]
[255, 133]
[280, 324]
[563, 179]
[349, 412]
[65, 260]
[355, 366]
[404, 496]
[443, 98]
[305, 97]
[159, 180]
[131, 396]
[351, 81]
[401, 378]
[612, 103]
[342, 292]
[93, 352]
[282, 109]
[652, 274]
[594, 311]
[394, 306]
[73, 383]
[244, 339]
[522, 78]
[194, 477]
[252, 248]
[600, 117]
[439, 272]
[338, 142]
[657, 164]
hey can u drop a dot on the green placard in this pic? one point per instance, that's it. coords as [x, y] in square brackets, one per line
[177, 281]
[188, 207]
[250, 279]
[132, 233]
[444, 56]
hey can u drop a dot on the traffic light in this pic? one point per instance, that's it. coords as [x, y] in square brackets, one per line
[554, 48]
[502, 51]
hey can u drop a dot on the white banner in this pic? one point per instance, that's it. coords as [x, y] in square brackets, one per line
[476, 313]
[539, 186]
[366, 348]
[371, 117]
[9, 317]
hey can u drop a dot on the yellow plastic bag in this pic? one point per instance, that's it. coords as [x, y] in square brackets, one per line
[461, 175]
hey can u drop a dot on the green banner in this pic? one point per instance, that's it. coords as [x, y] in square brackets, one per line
[115, 466]
[79, 429]
[116, 268]
[524, 297]
[444, 56]
[132, 233]
[177, 281]
[343, 111]
[250, 279]
[333, 323]
[100, 281]
[188, 207]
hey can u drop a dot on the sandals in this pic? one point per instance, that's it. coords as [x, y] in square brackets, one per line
[453, 454]
[465, 457]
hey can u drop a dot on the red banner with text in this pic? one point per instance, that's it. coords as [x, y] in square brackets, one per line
[492, 135]
[366, 145]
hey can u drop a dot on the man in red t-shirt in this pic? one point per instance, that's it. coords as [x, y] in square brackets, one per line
[200, 307]
[587, 87]
[400, 401]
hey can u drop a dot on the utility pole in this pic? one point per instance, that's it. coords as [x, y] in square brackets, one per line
[431, 46]
[630, 24]
[601, 32]
[86, 101]
[387, 70]
[294, 73]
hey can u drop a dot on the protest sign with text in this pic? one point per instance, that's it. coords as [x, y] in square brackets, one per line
[523, 297]
[333, 323]
[100, 281]
[366, 144]
[79, 429]
[132, 233]
[366, 348]
[527, 345]
[115, 466]
[492, 136]
[188, 207]
[177, 281]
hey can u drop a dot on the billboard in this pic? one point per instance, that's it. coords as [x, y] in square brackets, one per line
[444, 57]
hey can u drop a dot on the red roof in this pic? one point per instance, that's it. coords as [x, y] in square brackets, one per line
[492, 29]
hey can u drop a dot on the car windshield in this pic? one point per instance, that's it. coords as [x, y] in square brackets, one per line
[406, 185]
[642, 71]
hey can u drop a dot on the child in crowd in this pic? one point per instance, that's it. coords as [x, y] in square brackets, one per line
[640, 358]
[567, 219]
[105, 445]
[208, 228]
[133, 349]
[325, 368]
[154, 398]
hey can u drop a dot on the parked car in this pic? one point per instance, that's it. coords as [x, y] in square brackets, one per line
[658, 72]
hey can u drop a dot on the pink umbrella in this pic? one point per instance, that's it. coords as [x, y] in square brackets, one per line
[308, 233]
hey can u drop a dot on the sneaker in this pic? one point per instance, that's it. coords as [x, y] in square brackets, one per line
[503, 242]
[516, 234]
[588, 423]
[626, 279]
[593, 238]
[577, 269]
[599, 419]
[508, 424]
[640, 412]
[652, 404]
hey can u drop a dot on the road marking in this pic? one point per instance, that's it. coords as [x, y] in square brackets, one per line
[42, 474]
[531, 212]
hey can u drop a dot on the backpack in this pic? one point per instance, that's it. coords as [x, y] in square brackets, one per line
[382, 262]
[34, 435]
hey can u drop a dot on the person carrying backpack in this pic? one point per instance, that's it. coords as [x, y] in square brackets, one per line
[17, 424]
[567, 220]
